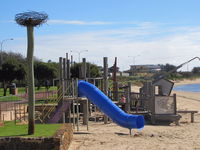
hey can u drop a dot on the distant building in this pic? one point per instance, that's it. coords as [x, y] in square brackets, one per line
[143, 69]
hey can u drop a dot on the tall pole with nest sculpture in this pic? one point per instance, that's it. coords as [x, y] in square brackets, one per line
[30, 20]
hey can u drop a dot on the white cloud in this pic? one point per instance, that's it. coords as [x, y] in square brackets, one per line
[78, 22]
[7, 21]
[152, 43]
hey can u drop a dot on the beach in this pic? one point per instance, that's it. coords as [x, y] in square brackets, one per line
[185, 136]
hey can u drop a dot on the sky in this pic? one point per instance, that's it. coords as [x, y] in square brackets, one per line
[135, 31]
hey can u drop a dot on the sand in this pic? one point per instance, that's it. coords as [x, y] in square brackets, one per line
[186, 136]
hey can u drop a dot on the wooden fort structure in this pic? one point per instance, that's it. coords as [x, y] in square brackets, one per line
[154, 99]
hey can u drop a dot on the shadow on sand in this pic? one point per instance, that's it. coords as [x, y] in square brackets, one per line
[121, 134]
[82, 133]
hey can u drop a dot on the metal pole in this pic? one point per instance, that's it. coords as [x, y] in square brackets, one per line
[79, 53]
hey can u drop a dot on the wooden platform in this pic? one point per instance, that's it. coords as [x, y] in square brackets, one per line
[165, 118]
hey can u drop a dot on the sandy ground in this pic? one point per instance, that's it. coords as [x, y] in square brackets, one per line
[186, 136]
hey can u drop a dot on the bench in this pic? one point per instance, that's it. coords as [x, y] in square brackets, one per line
[192, 112]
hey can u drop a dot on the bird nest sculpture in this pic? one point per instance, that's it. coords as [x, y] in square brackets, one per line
[31, 18]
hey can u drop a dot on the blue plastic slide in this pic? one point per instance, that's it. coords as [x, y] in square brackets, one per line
[118, 116]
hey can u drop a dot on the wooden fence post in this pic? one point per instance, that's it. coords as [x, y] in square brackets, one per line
[105, 79]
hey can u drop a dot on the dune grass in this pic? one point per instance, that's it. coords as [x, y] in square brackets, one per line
[41, 130]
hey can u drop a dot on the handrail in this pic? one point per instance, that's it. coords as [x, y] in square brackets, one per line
[56, 100]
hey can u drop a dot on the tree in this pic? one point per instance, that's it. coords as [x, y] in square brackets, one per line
[9, 72]
[167, 67]
[44, 72]
[196, 70]
[94, 70]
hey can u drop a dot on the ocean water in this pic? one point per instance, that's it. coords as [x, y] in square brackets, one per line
[188, 88]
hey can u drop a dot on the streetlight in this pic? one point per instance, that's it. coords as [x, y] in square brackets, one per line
[132, 68]
[2, 48]
[134, 58]
[79, 53]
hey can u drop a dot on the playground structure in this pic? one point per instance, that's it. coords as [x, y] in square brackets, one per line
[69, 102]
[154, 100]
[146, 102]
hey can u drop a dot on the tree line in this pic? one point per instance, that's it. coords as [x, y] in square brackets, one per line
[14, 69]
[194, 73]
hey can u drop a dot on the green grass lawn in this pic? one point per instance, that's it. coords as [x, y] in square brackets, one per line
[10, 98]
[22, 90]
[41, 130]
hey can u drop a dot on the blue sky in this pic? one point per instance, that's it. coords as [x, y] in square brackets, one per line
[158, 31]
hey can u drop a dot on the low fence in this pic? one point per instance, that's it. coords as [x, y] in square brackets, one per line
[15, 107]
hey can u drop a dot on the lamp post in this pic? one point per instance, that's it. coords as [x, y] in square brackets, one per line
[79, 54]
[134, 58]
[132, 68]
[1, 62]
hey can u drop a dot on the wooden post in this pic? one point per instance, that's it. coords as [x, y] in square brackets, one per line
[68, 89]
[20, 113]
[63, 117]
[115, 91]
[127, 92]
[67, 56]
[192, 117]
[77, 103]
[24, 112]
[115, 83]
[101, 84]
[73, 106]
[60, 91]
[72, 60]
[152, 95]
[77, 113]
[84, 104]
[175, 107]
[87, 111]
[83, 69]
[64, 68]
[68, 69]
[151, 90]
[15, 113]
[105, 79]
[10, 115]
[64, 77]
[130, 131]
[3, 117]
[88, 70]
